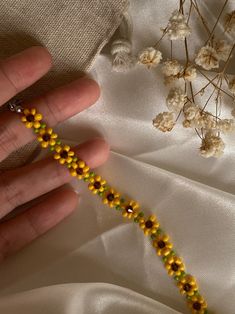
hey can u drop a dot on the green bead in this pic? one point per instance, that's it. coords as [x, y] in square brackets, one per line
[153, 236]
[188, 297]
[36, 130]
[159, 231]
[177, 278]
[75, 158]
[206, 312]
[106, 188]
[100, 193]
[86, 179]
[141, 214]
[92, 174]
[52, 148]
[136, 220]
[197, 293]
[58, 142]
[69, 165]
[118, 207]
[172, 253]
[164, 259]
[122, 200]
[43, 125]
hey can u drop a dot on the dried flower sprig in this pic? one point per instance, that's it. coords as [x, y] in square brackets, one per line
[215, 54]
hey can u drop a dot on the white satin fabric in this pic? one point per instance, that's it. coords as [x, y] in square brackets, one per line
[97, 262]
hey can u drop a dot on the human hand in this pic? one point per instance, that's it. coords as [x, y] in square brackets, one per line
[24, 184]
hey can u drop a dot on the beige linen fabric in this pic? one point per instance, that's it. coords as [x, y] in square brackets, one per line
[73, 31]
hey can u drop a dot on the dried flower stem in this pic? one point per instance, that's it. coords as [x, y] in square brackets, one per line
[195, 5]
[218, 18]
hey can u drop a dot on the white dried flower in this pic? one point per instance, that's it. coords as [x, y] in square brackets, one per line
[229, 22]
[169, 80]
[204, 120]
[150, 57]
[226, 125]
[191, 111]
[176, 99]
[212, 145]
[207, 58]
[164, 121]
[231, 86]
[171, 67]
[177, 27]
[187, 123]
[223, 49]
[190, 74]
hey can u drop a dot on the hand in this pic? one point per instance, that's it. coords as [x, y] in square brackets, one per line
[24, 184]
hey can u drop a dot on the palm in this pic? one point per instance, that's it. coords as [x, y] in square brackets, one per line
[16, 188]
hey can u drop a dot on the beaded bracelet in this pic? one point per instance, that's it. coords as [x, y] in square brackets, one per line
[129, 208]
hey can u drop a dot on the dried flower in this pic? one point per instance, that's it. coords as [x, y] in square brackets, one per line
[232, 86]
[187, 123]
[191, 112]
[164, 121]
[168, 80]
[226, 125]
[212, 145]
[207, 58]
[171, 67]
[190, 74]
[150, 57]
[177, 26]
[229, 22]
[223, 49]
[204, 120]
[176, 99]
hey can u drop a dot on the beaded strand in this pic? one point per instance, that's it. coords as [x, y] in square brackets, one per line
[130, 209]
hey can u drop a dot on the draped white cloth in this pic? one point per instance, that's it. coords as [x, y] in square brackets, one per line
[98, 262]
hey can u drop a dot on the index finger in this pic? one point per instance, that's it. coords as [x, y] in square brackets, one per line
[22, 70]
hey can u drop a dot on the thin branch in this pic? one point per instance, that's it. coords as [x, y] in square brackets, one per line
[195, 5]
[213, 29]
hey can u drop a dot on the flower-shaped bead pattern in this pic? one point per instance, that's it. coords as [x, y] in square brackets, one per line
[162, 245]
[79, 169]
[174, 265]
[63, 154]
[31, 118]
[149, 225]
[97, 184]
[111, 198]
[46, 137]
[197, 304]
[188, 285]
[130, 209]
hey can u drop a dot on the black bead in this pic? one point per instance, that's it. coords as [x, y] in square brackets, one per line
[129, 209]
[79, 171]
[161, 244]
[64, 154]
[46, 137]
[30, 118]
[174, 267]
[97, 185]
[197, 306]
[149, 224]
[110, 197]
[187, 287]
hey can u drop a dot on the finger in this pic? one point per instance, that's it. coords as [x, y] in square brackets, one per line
[24, 184]
[22, 70]
[56, 106]
[21, 230]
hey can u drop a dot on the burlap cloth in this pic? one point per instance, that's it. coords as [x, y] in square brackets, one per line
[74, 31]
